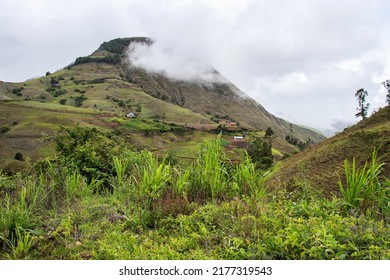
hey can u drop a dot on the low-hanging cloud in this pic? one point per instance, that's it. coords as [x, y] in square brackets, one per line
[174, 63]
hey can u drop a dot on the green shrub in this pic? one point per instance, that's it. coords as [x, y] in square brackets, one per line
[88, 150]
[17, 91]
[4, 129]
[363, 189]
[260, 152]
[19, 156]
[151, 178]
[13, 167]
[78, 101]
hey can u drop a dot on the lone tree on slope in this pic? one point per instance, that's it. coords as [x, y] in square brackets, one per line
[386, 84]
[269, 132]
[363, 107]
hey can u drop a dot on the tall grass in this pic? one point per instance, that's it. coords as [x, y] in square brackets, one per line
[16, 218]
[182, 181]
[120, 166]
[247, 180]
[210, 173]
[76, 185]
[362, 189]
[19, 244]
[151, 177]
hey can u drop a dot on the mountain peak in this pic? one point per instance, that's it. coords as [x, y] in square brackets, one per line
[183, 80]
[119, 45]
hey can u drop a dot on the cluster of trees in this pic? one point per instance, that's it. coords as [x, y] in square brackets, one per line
[260, 149]
[79, 90]
[55, 88]
[111, 59]
[361, 94]
[301, 145]
[386, 84]
[78, 101]
[115, 46]
[362, 110]
[118, 45]
[89, 150]
[260, 152]
[17, 91]
[161, 96]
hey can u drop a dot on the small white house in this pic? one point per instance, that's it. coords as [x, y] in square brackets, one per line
[130, 115]
[238, 138]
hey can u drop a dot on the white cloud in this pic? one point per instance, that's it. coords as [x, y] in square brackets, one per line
[177, 64]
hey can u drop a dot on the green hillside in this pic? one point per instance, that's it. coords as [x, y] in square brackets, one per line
[102, 88]
[321, 164]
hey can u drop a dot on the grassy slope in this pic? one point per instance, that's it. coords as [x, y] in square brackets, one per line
[85, 77]
[28, 121]
[320, 165]
[36, 110]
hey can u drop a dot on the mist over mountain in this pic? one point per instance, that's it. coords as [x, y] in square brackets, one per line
[136, 75]
[194, 84]
[174, 64]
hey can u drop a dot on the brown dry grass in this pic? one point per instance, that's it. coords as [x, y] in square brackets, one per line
[320, 165]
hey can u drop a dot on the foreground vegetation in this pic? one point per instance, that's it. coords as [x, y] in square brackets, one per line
[99, 199]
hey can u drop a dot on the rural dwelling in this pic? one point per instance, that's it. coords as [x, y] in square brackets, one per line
[238, 138]
[130, 115]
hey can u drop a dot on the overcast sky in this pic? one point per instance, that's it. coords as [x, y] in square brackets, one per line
[303, 60]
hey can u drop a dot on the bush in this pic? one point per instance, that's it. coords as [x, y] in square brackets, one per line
[13, 167]
[269, 132]
[78, 101]
[4, 129]
[19, 156]
[88, 150]
[59, 92]
[17, 91]
[260, 152]
[363, 189]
